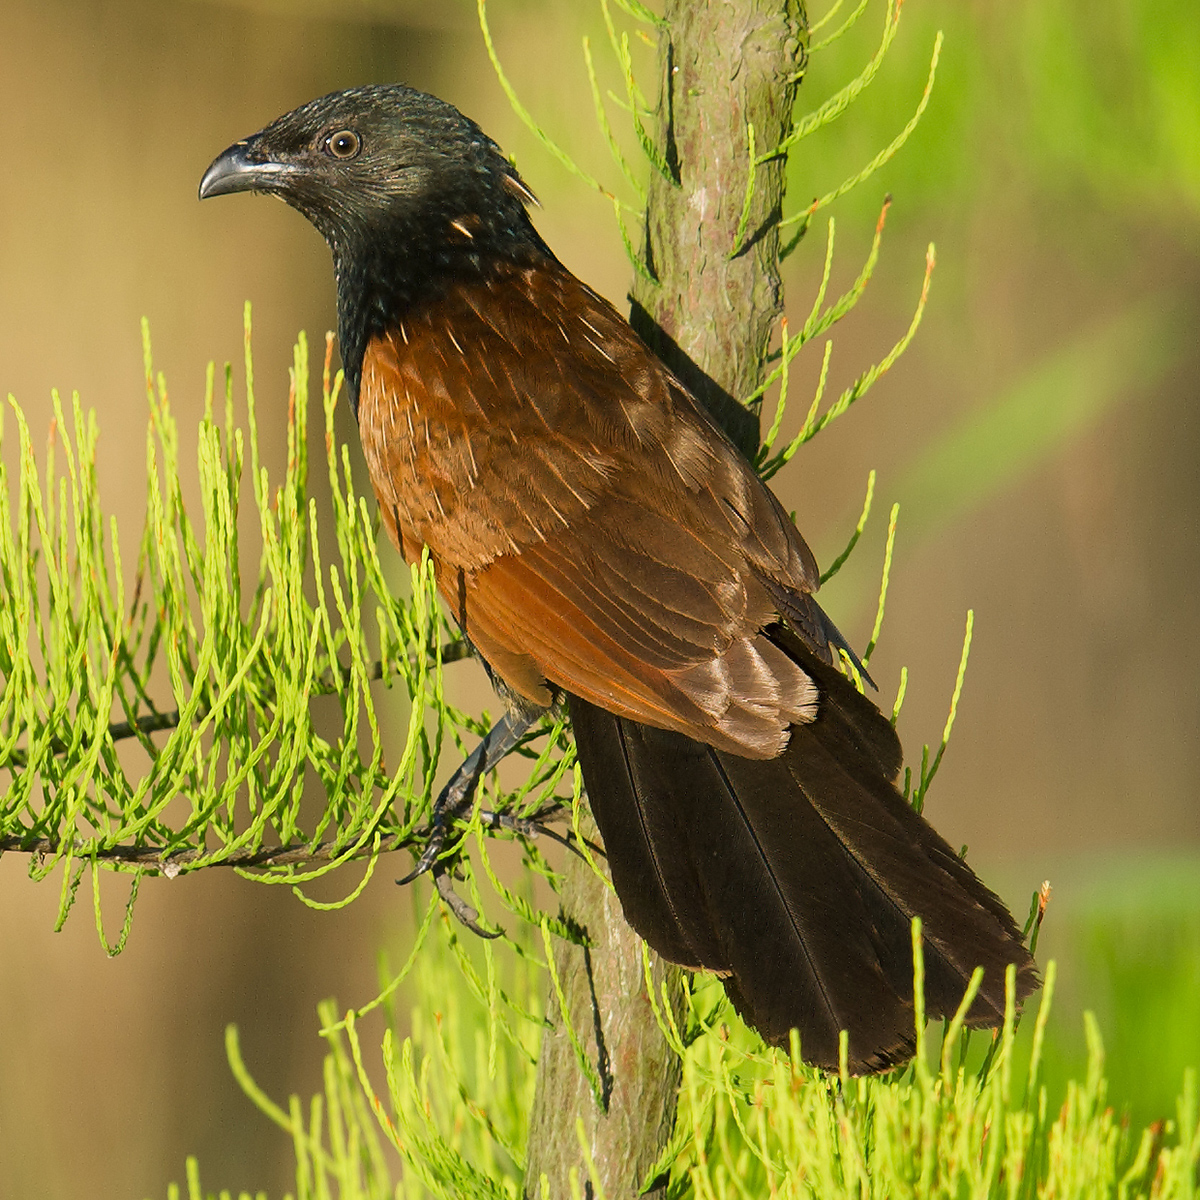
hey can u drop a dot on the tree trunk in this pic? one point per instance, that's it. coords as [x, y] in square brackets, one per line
[711, 312]
[709, 315]
[638, 1071]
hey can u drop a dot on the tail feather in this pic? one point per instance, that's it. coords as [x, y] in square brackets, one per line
[796, 878]
[660, 888]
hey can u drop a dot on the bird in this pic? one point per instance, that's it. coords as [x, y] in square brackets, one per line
[605, 548]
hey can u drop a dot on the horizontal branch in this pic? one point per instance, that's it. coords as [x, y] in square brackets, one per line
[152, 858]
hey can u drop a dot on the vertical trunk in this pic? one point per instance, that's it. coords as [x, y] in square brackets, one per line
[639, 1073]
[716, 297]
[709, 315]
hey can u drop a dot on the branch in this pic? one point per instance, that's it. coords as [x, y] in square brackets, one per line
[174, 863]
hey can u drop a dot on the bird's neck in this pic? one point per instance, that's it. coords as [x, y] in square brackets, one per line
[384, 279]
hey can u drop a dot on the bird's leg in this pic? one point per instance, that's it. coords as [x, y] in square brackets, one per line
[457, 794]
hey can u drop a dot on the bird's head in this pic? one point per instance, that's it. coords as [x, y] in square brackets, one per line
[411, 196]
[378, 162]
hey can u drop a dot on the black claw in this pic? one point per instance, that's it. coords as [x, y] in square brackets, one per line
[446, 808]
[459, 907]
[429, 856]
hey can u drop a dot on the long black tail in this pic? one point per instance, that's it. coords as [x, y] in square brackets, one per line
[797, 878]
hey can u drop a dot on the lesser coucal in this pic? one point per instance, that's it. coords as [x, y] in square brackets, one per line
[599, 539]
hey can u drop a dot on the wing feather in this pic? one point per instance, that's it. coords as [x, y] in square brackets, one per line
[609, 538]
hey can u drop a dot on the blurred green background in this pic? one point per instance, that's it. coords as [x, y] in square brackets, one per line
[1040, 436]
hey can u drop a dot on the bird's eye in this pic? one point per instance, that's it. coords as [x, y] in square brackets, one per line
[343, 144]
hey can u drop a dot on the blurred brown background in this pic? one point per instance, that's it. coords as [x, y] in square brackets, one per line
[1040, 435]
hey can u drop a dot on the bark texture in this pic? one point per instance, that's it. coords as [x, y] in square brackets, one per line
[709, 315]
[726, 65]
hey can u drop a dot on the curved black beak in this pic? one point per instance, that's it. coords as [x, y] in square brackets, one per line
[242, 169]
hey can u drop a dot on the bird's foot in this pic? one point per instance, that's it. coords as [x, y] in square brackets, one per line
[459, 792]
[453, 801]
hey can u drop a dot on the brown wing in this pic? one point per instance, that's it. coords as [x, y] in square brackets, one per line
[590, 525]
